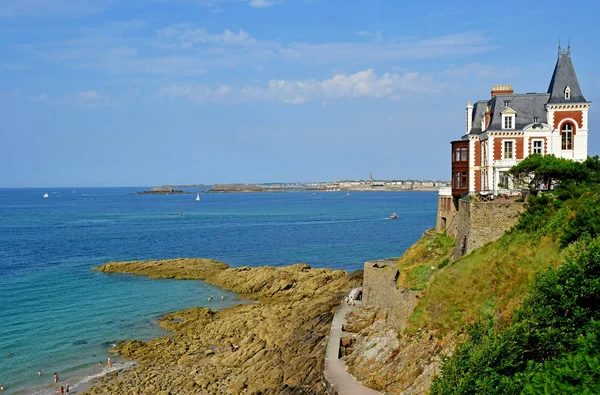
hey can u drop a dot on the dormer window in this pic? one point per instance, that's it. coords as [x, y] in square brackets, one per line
[567, 93]
[508, 118]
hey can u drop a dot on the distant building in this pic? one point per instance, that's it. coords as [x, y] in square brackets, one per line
[508, 127]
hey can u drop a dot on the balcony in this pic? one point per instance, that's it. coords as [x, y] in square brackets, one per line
[507, 162]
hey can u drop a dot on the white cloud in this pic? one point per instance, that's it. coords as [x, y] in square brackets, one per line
[187, 36]
[263, 3]
[90, 95]
[341, 86]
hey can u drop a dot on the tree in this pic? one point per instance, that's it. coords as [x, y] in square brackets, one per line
[537, 171]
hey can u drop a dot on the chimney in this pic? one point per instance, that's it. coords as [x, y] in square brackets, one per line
[502, 90]
[487, 116]
[469, 116]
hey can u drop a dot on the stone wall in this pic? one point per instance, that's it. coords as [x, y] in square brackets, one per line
[479, 223]
[447, 215]
[380, 289]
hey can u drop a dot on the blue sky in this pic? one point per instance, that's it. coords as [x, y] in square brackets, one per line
[149, 92]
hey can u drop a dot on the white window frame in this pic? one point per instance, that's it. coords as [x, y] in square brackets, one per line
[512, 150]
[541, 147]
[508, 118]
[568, 93]
[571, 130]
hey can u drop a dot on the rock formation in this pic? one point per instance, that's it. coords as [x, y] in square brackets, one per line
[274, 346]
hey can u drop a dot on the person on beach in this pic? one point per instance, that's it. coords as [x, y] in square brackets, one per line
[62, 390]
[100, 363]
[108, 364]
[1, 388]
[67, 389]
[55, 377]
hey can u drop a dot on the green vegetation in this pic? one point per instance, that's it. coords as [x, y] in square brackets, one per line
[415, 266]
[549, 343]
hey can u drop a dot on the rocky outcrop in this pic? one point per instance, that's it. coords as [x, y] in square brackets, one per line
[164, 190]
[275, 346]
[392, 362]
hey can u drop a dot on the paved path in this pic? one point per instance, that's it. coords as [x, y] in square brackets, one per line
[335, 372]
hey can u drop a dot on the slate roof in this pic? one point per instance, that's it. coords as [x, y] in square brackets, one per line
[530, 105]
[563, 76]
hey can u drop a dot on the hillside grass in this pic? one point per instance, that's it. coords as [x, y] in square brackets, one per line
[418, 264]
[492, 280]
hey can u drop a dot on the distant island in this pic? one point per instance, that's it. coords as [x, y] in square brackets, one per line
[164, 190]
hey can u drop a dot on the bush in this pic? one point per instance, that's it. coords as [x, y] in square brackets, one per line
[551, 344]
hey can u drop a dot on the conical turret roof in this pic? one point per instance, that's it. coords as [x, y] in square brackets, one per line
[564, 76]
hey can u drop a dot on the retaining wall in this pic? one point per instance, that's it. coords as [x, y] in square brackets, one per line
[380, 289]
[480, 223]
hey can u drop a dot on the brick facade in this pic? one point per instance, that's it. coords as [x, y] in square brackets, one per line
[577, 115]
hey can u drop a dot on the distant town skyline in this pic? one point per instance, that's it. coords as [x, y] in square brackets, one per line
[149, 92]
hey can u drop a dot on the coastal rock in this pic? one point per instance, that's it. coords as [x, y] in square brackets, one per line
[394, 363]
[164, 190]
[274, 346]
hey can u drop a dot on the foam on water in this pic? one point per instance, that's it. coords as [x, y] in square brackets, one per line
[60, 316]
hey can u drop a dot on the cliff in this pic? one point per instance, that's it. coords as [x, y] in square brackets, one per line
[416, 307]
[281, 338]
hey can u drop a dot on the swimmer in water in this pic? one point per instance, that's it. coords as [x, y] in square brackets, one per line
[108, 362]
[1, 388]
[39, 373]
[222, 297]
[55, 377]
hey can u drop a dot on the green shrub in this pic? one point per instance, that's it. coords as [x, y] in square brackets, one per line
[551, 344]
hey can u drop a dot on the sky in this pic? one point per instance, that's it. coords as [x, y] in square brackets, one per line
[153, 92]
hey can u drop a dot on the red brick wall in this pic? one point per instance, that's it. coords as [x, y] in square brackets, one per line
[577, 115]
[519, 148]
[477, 180]
[477, 153]
[497, 149]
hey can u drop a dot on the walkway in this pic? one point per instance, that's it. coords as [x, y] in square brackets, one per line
[338, 380]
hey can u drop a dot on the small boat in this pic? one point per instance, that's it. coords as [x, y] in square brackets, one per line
[393, 216]
[197, 197]
[46, 195]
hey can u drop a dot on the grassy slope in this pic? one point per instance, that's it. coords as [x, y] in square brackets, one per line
[434, 250]
[491, 280]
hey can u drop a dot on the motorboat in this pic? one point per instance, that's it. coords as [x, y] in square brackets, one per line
[393, 216]
[46, 195]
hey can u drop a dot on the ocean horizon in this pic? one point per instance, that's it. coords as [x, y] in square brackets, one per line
[61, 316]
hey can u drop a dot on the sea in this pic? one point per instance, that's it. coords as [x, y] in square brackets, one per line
[58, 315]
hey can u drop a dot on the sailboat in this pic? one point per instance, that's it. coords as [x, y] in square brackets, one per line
[46, 195]
[197, 197]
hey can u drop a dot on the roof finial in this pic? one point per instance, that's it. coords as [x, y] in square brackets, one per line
[559, 45]
[569, 47]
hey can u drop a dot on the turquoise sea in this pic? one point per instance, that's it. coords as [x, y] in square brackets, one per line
[58, 315]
